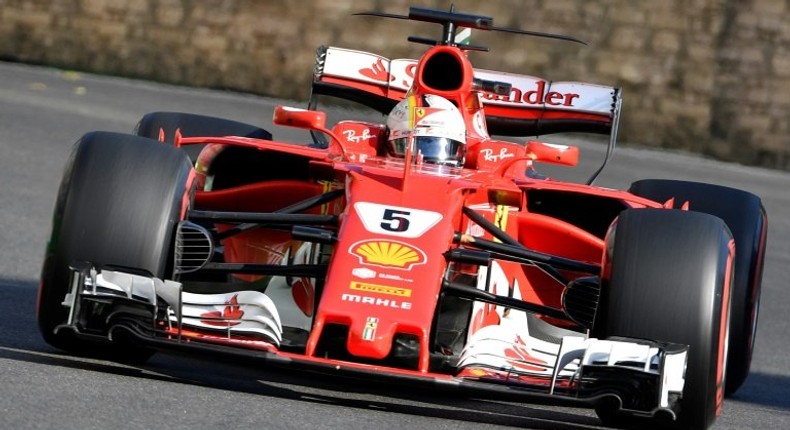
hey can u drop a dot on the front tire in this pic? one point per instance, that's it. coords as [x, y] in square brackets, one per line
[667, 278]
[119, 201]
[744, 214]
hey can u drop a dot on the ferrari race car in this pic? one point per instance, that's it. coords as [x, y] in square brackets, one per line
[416, 250]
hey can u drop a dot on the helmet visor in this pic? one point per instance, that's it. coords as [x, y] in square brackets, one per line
[437, 150]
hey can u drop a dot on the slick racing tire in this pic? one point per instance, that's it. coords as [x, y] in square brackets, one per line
[118, 204]
[667, 279]
[745, 216]
[193, 125]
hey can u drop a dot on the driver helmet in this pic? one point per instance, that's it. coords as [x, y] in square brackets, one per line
[437, 125]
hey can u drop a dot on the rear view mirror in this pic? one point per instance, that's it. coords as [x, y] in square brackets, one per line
[551, 153]
[310, 120]
[300, 118]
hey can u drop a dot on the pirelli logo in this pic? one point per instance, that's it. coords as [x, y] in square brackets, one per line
[380, 289]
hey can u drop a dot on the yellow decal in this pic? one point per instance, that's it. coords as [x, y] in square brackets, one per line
[380, 289]
[412, 104]
[500, 219]
[387, 253]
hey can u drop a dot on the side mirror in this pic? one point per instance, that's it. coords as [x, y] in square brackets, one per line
[311, 120]
[300, 118]
[551, 153]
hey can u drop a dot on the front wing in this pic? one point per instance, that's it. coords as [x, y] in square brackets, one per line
[643, 377]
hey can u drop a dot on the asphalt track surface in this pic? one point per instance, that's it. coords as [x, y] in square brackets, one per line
[43, 111]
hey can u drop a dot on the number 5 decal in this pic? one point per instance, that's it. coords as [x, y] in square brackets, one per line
[394, 220]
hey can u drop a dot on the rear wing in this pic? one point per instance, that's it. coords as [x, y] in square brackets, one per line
[533, 107]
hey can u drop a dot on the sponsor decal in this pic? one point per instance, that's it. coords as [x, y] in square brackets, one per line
[369, 333]
[423, 117]
[377, 71]
[246, 313]
[396, 73]
[395, 277]
[231, 312]
[387, 253]
[380, 289]
[409, 70]
[520, 357]
[376, 301]
[526, 91]
[395, 220]
[489, 155]
[530, 91]
[352, 136]
[537, 95]
[367, 67]
[363, 272]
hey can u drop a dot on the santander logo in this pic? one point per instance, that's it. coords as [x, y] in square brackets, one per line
[536, 95]
[526, 90]
[377, 71]
[399, 72]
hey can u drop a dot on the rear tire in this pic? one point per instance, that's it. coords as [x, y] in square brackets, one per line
[668, 279]
[119, 201]
[744, 214]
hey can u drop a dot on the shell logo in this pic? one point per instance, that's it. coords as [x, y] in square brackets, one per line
[388, 254]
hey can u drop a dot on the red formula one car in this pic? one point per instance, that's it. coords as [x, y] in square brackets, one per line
[419, 249]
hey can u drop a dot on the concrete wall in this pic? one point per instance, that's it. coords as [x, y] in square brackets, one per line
[711, 76]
